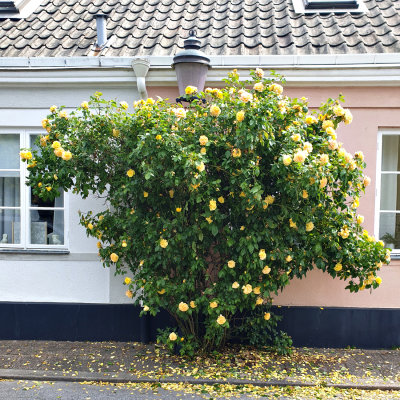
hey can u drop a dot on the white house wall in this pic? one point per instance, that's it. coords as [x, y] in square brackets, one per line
[77, 277]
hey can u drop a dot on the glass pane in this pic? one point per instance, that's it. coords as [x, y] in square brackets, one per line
[9, 192]
[32, 142]
[390, 153]
[9, 151]
[10, 226]
[47, 227]
[57, 202]
[390, 192]
[389, 229]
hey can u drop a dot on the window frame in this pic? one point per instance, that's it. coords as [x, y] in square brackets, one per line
[378, 182]
[300, 8]
[25, 197]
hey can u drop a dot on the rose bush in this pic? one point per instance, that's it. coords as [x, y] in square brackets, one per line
[215, 207]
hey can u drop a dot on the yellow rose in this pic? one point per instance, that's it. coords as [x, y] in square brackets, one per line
[236, 153]
[276, 88]
[292, 224]
[338, 110]
[221, 320]
[192, 304]
[215, 110]
[190, 89]
[212, 205]
[114, 257]
[59, 151]
[209, 220]
[378, 280]
[85, 105]
[180, 113]
[200, 167]
[56, 145]
[203, 140]
[259, 72]
[247, 289]
[162, 291]
[327, 124]
[178, 209]
[66, 155]
[235, 285]
[146, 308]
[130, 173]
[44, 123]
[366, 181]
[323, 159]
[183, 306]
[115, 132]
[309, 226]
[338, 267]
[171, 194]
[245, 96]
[124, 244]
[304, 194]
[124, 105]
[203, 150]
[48, 188]
[330, 131]
[127, 281]
[347, 117]
[145, 194]
[310, 120]
[158, 137]
[296, 137]
[99, 245]
[300, 156]
[213, 304]
[258, 86]
[259, 301]
[53, 109]
[287, 160]
[90, 226]
[63, 114]
[262, 254]
[257, 290]
[163, 243]
[360, 219]
[323, 182]
[266, 270]
[332, 144]
[221, 200]
[267, 316]
[240, 116]
[288, 258]
[231, 264]
[173, 336]
[129, 294]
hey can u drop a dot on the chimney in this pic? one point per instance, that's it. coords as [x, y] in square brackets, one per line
[101, 29]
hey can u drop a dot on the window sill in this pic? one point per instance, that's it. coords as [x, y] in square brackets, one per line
[34, 251]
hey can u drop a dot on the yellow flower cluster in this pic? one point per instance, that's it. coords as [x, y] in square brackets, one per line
[25, 155]
[262, 254]
[276, 88]
[190, 89]
[247, 289]
[287, 160]
[344, 232]
[215, 111]
[240, 116]
[245, 96]
[163, 243]
[203, 140]
[212, 205]
[124, 105]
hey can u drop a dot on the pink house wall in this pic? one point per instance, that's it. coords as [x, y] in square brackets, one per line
[373, 108]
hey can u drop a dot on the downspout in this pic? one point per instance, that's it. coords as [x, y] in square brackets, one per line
[141, 67]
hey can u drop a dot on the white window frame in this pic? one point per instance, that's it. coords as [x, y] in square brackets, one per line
[381, 133]
[25, 207]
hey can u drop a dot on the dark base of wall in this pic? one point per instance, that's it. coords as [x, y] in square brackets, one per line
[308, 326]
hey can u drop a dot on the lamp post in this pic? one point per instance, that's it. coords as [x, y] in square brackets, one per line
[191, 66]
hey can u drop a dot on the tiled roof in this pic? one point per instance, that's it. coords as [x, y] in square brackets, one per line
[225, 27]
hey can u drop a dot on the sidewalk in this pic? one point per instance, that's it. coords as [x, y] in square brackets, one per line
[121, 362]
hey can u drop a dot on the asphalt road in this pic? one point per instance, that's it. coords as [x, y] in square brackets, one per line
[29, 390]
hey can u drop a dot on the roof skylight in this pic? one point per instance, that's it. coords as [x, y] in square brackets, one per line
[328, 6]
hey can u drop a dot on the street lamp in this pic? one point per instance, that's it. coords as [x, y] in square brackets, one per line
[191, 65]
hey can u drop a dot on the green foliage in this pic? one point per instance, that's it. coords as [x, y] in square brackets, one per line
[216, 207]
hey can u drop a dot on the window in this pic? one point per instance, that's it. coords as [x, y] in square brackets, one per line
[26, 221]
[328, 6]
[388, 189]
